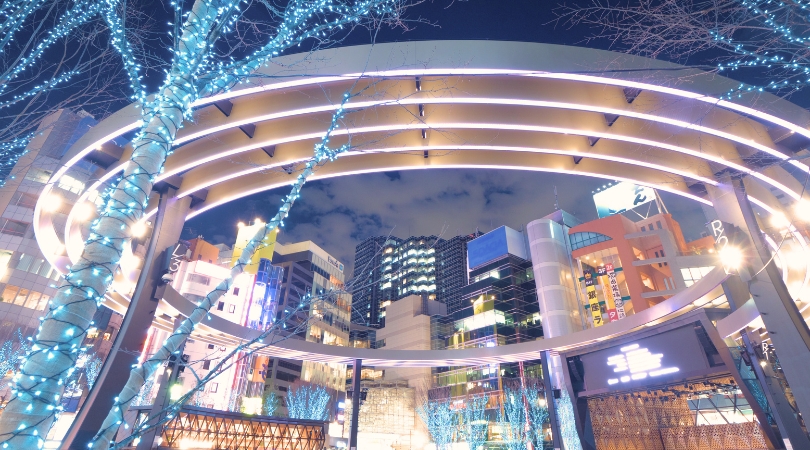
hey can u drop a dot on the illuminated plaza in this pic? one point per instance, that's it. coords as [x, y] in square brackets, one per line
[614, 333]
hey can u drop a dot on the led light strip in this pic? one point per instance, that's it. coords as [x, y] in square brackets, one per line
[489, 101]
[476, 126]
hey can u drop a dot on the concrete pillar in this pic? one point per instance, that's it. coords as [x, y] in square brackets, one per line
[767, 289]
[554, 277]
[168, 224]
[558, 298]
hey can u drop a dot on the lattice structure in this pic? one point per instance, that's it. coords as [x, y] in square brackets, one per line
[387, 417]
[234, 431]
[734, 436]
[662, 420]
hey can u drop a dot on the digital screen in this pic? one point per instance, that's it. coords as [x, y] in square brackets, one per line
[621, 197]
[662, 357]
[486, 248]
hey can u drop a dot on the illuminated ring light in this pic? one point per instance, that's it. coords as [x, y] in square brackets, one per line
[488, 104]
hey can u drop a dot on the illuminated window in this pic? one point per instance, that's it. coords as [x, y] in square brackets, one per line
[71, 184]
[38, 175]
[584, 239]
[13, 227]
[92, 333]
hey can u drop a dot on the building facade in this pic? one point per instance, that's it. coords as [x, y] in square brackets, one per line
[389, 268]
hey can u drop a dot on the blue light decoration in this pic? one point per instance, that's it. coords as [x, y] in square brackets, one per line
[195, 71]
[474, 424]
[779, 50]
[513, 419]
[308, 401]
[567, 422]
[441, 421]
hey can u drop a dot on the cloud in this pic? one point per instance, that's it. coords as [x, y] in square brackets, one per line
[337, 214]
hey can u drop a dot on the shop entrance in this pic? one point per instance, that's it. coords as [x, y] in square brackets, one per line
[707, 414]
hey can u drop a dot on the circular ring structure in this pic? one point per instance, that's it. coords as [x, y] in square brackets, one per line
[462, 104]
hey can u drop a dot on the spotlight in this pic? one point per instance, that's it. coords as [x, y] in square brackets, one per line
[731, 257]
[51, 202]
[139, 229]
[83, 211]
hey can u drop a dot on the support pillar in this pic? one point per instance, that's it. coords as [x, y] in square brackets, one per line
[128, 345]
[550, 403]
[357, 368]
[163, 397]
[787, 330]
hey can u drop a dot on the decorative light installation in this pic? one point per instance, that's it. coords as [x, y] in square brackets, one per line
[308, 401]
[474, 424]
[567, 422]
[194, 72]
[440, 420]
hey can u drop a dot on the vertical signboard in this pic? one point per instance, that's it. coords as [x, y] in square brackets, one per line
[593, 301]
[616, 293]
[610, 304]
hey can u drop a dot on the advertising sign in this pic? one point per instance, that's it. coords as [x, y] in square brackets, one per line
[593, 301]
[654, 359]
[610, 304]
[616, 293]
[621, 197]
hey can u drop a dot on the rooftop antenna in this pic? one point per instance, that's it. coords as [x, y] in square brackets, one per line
[556, 199]
[662, 208]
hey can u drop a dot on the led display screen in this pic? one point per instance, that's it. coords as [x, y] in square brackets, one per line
[495, 244]
[654, 359]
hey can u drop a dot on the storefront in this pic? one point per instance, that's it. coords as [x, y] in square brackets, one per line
[677, 386]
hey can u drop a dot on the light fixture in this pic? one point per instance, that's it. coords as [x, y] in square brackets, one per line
[139, 229]
[51, 202]
[731, 257]
[240, 224]
[779, 220]
[802, 210]
[83, 211]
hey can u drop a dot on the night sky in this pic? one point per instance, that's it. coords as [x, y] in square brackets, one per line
[339, 213]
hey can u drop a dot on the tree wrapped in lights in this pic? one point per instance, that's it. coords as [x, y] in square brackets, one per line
[11, 352]
[513, 419]
[766, 39]
[308, 401]
[196, 69]
[474, 424]
[567, 422]
[53, 56]
[440, 419]
[538, 412]
[270, 402]
[241, 353]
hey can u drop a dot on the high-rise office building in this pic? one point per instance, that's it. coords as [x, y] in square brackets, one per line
[310, 269]
[451, 270]
[389, 268]
[497, 307]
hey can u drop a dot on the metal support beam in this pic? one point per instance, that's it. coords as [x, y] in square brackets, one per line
[550, 403]
[128, 344]
[356, 376]
[163, 397]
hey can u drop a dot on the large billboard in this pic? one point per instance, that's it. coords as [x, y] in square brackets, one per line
[495, 244]
[621, 197]
[662, 357]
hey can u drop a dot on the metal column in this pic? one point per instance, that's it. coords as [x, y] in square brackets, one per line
[551, 405]
[128, 344]
[356, 376]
